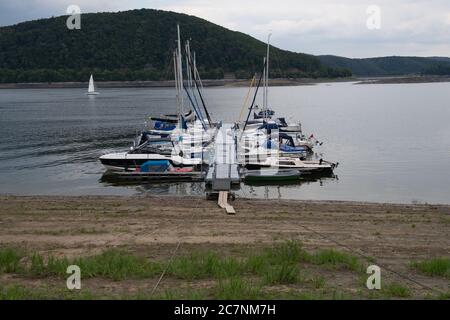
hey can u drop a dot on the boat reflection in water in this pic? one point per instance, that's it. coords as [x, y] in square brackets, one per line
[299, 180]
[274, 190]
[248, 189]
[156, 187]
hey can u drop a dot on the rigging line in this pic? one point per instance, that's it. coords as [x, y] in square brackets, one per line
[173, 253]
[191, 74]
[201, 96]
[197, 74]
[248, 96]
[254, 98]
[195, 109]
[372, 259]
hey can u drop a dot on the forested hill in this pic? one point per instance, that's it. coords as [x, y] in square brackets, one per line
[390, 66]
[138, 45]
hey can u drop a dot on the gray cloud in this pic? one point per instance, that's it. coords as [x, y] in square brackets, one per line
[408, 27]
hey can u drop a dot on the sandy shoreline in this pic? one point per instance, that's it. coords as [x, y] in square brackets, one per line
[394, 235]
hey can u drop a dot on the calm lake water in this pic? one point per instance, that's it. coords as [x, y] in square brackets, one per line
[392, 141]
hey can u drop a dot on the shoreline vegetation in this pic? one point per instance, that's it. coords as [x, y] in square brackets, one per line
[227, 82]
[285, 250]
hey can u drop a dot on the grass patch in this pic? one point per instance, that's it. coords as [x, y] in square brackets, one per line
[444, 296]
[113, 264]
[235, 276]
[282, 258]
[10, 260]
[436, 267]
[334, 258]
[396, 290]
[200, 265]
[282, 274]
[278, 264]
[286, 253]
[15, 293]
[318, 282]
[236, 289]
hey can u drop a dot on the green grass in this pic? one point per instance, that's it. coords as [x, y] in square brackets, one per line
[282, 274]
[200, 265]
[279, 264]
[337, 259]
[15, 293]
[236, 289]
[396, 290]
[286, 253]
[10, 260]
[242, 276]
[436, 267]
[318, 282]
[113, 264]
[444, 296]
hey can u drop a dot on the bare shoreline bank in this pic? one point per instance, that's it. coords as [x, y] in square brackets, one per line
[391, 235]
[229, 82]
[165, 84]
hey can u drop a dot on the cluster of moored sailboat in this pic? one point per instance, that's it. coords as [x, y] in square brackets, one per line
[183, 146]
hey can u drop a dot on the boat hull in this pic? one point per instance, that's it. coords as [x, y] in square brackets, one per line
[133, 162]
[309, 170]
[272, 176]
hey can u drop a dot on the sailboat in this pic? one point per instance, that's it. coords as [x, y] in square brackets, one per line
[172, 142]
[91, 89]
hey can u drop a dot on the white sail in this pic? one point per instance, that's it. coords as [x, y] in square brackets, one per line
[91, 89]
[91, 85]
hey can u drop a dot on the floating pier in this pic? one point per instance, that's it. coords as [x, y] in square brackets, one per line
[223, 173]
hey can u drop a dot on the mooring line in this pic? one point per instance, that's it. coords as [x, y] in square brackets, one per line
[173, 253]
[368, 258]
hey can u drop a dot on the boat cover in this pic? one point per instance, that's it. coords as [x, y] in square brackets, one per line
[155, 166]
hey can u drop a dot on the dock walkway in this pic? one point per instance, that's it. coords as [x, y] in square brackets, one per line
[223, 172]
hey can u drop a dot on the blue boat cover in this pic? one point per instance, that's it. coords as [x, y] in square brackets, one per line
[155, 166]
[286, 148]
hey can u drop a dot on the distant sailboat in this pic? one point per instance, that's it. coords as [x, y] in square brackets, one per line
[91, 89]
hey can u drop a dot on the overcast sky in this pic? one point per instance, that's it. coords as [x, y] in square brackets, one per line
[407, 27]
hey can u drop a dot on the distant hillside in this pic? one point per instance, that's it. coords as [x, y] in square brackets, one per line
[390, 66]
[137, 45]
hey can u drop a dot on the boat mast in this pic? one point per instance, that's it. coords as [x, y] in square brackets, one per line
[180, 70]
[264, 86]
[175, 69]
[266, 96]
[188, 69]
